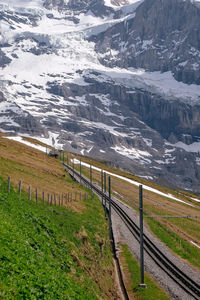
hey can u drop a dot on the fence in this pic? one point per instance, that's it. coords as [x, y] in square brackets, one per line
[49, 198]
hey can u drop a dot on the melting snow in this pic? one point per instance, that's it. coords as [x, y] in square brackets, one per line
[193, 243]
[133, 153]
[76, 161]
[194, 147]
[115, 4]
[20, 139]
[195, 199]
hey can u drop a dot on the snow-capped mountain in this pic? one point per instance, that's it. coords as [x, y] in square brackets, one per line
[118, 80]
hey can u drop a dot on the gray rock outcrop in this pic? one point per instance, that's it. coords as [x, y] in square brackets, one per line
[160, 36]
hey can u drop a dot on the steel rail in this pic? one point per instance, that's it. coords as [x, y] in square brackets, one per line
[182, 279]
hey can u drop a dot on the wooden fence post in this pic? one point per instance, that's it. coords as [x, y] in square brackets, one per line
[62, 199]
[36, 194]
[43, 196]
[29, 192]
[8, 184]
[20, 189]
[48, 198]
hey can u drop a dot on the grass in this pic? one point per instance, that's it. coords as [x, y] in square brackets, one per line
[51, 252]
[174, 241]
[36, 169]
[185, 230]
[132, 280]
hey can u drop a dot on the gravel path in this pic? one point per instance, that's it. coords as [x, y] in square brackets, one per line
[122, 235]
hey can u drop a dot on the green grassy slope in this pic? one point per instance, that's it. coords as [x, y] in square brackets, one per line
[51, 252]
[179, 231]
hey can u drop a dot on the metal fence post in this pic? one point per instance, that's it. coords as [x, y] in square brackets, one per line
[105, 192]
[110, 221]
[80, 171]
[142, 284]
[91, 179]
[102, 186]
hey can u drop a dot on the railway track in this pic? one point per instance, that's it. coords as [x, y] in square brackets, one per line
[177, 275]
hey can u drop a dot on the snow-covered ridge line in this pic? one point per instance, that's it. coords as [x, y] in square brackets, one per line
[76, 161]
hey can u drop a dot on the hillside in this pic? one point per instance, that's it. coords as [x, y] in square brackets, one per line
[50, 252]
[42, 243]
[177, 212]
[172, 215]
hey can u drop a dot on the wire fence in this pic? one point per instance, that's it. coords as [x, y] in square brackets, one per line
[50, 198]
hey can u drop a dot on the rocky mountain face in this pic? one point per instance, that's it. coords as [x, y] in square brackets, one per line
[163, 36]
[97, 7]
[116, 80]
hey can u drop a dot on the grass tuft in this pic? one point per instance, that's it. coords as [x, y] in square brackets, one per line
[132, 280]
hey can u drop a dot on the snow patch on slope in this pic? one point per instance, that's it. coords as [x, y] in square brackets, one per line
[21, 140]
[194, 147]
[156, 82]
[133, 153]
[76, 161]
[120, 3]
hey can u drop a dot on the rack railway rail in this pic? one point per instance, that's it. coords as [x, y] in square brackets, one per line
[178, 276]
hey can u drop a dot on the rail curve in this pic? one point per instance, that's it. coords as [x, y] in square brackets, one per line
[177, 275]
